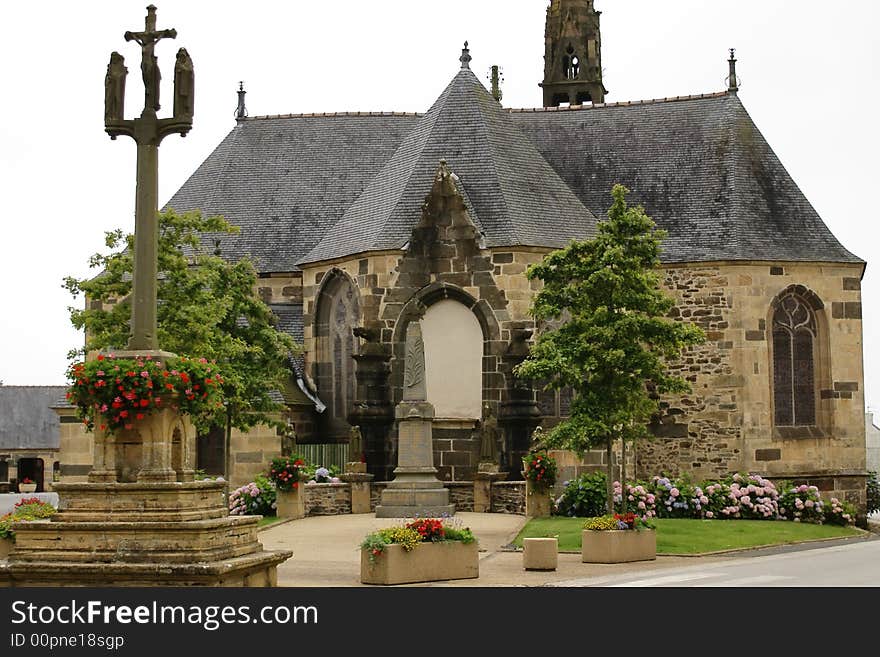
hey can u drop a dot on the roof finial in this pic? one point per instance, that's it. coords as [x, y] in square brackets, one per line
[241, 111]
[732, 80]
[465, 58]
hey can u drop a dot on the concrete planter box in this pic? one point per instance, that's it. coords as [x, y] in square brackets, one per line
[6, 546]
[27, 488]
[538, 499]
[291, 504]
[540, 553]
[618, 546]
[429, 562]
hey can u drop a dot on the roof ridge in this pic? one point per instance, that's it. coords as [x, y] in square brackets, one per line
[321, 115]
[731, 160]
[626, 103]
[8, 386]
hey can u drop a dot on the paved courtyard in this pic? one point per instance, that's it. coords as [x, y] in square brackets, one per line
[325, 553]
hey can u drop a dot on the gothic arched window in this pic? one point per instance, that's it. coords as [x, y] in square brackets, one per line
[795, 335]
[338, 314]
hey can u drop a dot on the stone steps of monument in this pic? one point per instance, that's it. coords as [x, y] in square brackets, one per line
[177, 542]
[255, 569]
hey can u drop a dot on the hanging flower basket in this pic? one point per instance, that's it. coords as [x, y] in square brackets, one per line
[113, 394]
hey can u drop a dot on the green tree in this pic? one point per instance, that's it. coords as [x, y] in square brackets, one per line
[207, 308]
[612, 340]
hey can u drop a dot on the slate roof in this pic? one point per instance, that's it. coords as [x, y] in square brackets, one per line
[285, 180]
[27, 420]
[290, 321]
[698, 165]
[311, 187]
[518, 198]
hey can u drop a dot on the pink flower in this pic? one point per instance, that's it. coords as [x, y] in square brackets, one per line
[674, 492]
[704, 499]
[642, 506]
[809, 504]
[710, 515]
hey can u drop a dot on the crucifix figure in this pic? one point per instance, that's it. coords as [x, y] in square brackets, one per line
[149, 62]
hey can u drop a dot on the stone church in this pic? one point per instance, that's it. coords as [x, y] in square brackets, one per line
[362, 223]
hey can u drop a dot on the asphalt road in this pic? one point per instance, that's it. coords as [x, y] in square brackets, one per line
[852, 564]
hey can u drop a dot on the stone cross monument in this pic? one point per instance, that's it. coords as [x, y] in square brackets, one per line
[142, 520]
[148, 131]
[415, 491]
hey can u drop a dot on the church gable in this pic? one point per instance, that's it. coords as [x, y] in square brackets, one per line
[516, 194]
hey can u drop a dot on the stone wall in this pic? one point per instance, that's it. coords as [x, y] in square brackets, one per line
[251, 453]
[726, 423]
[327, 499]
[509, 497]
[462, 495]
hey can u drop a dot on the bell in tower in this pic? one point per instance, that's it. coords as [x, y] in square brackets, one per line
[573, 54]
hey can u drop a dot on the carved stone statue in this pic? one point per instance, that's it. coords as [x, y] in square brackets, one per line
[288, 444]
[488, 436]
[114, 88]
[184, 85]
[355, 444]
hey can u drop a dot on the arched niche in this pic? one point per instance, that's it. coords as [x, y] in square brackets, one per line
[453, 341]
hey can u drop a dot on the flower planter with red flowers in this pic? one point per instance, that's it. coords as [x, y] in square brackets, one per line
[539, 471]
[287, 473]
[426, 550]
[114, 394]
[27, 486]
[618, 539]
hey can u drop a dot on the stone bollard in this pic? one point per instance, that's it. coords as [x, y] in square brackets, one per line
[360, 487]
[540, 553]
[291, 504]
[537, 501]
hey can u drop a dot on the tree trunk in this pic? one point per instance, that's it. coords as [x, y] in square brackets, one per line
[609, 454]
[227, 440]
[623, 474]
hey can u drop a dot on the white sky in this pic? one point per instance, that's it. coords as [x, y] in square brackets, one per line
[809, 70]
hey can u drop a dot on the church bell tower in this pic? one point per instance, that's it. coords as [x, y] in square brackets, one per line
[573, 54]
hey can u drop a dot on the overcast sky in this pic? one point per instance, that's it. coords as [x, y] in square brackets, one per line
[809, 73]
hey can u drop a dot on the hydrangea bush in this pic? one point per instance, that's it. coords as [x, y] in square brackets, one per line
[839, 513]
[639, 499]
[801, 504]
[739, 496]
[254, 499]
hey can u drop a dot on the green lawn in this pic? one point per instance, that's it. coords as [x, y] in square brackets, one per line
[694, 536]
[268, 520]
